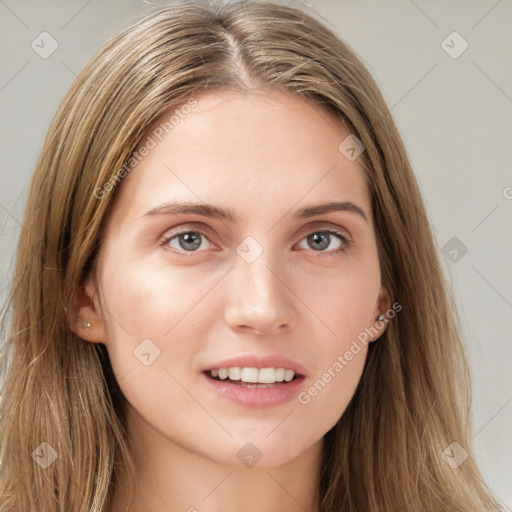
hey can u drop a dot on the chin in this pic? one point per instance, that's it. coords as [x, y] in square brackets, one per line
[264, 451]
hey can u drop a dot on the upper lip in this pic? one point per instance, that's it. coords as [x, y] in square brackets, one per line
[264, 361]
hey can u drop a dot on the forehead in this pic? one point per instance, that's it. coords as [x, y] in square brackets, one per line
[266, 149]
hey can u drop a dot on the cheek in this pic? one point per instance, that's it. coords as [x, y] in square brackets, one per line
[343, 303]
[154, 325]
[328, 392]
[152, 301]
[343, 308]
[152, 315]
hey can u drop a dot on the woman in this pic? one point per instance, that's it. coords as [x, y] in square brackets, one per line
[227, 295]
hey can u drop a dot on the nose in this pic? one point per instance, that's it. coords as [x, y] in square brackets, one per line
[259, 299]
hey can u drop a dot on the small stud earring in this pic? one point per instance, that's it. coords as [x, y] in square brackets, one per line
[86, 324]
[380, 318]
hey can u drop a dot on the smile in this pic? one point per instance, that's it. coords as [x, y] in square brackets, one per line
[253, 375]
[246, 390]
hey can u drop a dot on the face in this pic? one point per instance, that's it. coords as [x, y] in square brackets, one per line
[176, 293]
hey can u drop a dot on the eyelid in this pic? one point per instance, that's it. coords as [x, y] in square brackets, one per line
[325, 226]
[172, 233]
[184, 228]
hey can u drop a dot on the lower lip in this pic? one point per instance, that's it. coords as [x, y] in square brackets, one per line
[260, 398]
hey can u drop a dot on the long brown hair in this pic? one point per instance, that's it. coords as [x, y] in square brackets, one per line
[386, 451]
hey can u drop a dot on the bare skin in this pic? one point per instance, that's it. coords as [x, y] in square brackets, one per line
[264, 156]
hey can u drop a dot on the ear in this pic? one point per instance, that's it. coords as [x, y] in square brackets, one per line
[87, 321]
[383, 304]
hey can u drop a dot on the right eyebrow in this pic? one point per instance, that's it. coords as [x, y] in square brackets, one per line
[206, 210]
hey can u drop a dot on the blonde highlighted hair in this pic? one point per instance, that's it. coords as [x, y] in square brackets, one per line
[413, 401]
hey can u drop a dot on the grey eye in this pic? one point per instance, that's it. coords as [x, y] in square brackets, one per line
[188, 241]
[320, 240]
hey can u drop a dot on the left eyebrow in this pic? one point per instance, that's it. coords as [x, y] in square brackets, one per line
[311, 211]
[211, 211]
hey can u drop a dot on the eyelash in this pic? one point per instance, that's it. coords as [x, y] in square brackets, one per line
[346, 241]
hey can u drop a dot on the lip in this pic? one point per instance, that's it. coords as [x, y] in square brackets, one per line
[266, 361]
[257, 398]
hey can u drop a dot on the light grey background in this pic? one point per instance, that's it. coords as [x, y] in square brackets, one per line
[454, 114]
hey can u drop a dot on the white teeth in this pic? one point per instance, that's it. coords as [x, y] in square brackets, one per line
[249, 375]
[267, 375]
[235, 373]
[254, 375]
[288, 375]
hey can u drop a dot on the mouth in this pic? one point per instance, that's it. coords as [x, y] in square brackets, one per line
[250, 377]
[256, 381]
